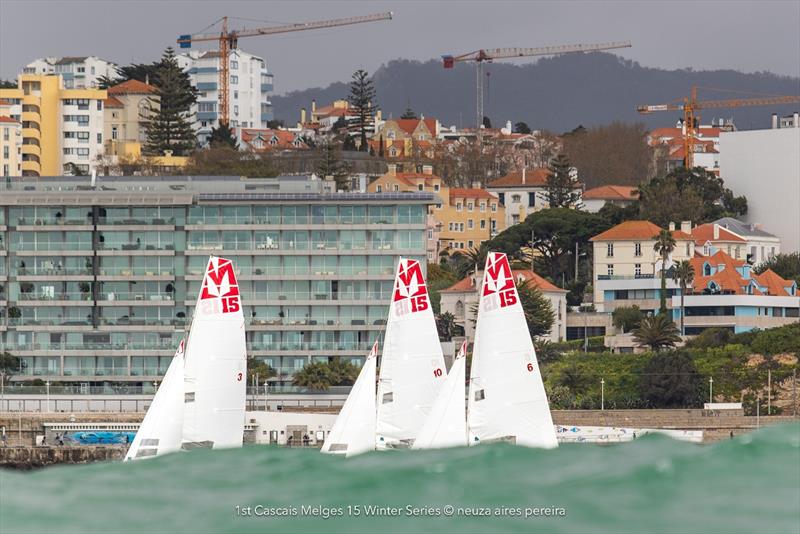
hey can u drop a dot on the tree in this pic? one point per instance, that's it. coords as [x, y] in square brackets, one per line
[259, 368]
[274, 124]
[408, 114]
[688, 195]
[222, 136]
[683, 275]
[75, 170]
[522, 128]
[343, 372]
[538, 312]
[627, 318]
[363, 105]
[670, 380]
[9, 365]
[616, 214]
[225, 161]
[561, 185]
[331, 164]
[657, 332]
[664, 245]
[487, 123]
[8, 84]
[315, 375]
[446, 326]
[786, 266]
[168, 126]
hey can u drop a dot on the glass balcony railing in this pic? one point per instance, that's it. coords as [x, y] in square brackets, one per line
[312, 345]
[141, 321]
[295, 321]
[138, 271]
[55, 296]
[95, 371]
[311, 295]
[48, 321]
[136, 246]
[60, 246]
[134, 295]
[52, 221]
[135, 221]
[40, 270]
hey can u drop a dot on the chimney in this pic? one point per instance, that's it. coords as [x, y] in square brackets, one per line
[671, 226]
[716, 231]
[796, 118]
[686, 227]
[427, 169]
[302, 116]
[392, 169]
[523, 174]
[378, 115]
[774, 121]
[313, 106]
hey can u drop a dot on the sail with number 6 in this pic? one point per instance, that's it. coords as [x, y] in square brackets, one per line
[215, 369]
[412, 365]
[446, 426]
[354, 429]
[162, 428]
[507, 400]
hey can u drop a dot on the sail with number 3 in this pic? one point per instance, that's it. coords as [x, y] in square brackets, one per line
[446, 426]
[354, 429]
[412, 366]
[215, 369]
[507, 400]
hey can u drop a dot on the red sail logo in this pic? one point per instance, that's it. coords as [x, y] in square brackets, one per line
[498, 279]
[219, 285]
[410, 294]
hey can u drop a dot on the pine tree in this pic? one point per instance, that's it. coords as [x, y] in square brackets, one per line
[560, 187]
[168, 126]
[222, 137]
[408, 114]
[330, 164]
[362, 105]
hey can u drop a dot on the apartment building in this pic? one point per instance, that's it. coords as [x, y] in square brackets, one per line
[727, 294]
[619, 195]
[249, 89]
[82, 72]
[627, 269]
[10, 147]
[62, 129]
[460, 220]
[522, 193]
[98, 284]
[127, 109]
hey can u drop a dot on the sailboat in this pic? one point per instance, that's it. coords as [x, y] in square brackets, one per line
[216, 363]
[354, 429]
[507, 400]
[446, 426]
[161, 430]
[412, 364]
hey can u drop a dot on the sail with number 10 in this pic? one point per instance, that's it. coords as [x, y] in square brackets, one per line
[446, 426]
[354, 429]
[412, 365]
[507, 400]
[215, 369]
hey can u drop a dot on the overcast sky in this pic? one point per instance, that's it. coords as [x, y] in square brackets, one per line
[744, 35]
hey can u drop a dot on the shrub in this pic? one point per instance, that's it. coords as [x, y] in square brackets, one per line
[670, 380]
[627, 318]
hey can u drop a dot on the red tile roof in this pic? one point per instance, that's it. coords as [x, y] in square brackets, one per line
[113, 102]
[466, 284]
[630, 230]
[773, 283]
[409, 125]
[705, 232]
[285, 139]
[533, 178]
[611, 192]
[731, 281]
[4, 102]
[132, 87]
[8, 119]
[469, 193]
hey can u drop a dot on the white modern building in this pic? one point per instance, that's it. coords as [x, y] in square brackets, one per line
[764, 166]
[83, 72]
[249, 90]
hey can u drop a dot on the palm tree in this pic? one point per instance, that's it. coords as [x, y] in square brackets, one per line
[657, 332]
[683, 275]
[664, 246]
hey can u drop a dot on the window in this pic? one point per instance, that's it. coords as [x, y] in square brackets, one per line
[396, 187]
[5, 134]
[637, 249]
[483, 207]
[438, 206]
[637, 269]
[234, 80]
[610, 270]
[458, 206]
[531, 199]
[114, 132]
[99, 105]
[99, 139]
[461, 229]
[483, 224]
[206, 106]
[470, 206]
[420, 187]
[379, 189]
[470, 225]
[609, 250]
[234, 65]
[688, 250]
[515, 218]
[494, 206]
[516, 198]
[235, 95]
[5, 170]
[5, 152]
[436, 187]
[235, 110]
[470, 243]
[430, 234]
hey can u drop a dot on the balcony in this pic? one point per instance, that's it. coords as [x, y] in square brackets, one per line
[31, 150]
[626, 277]
[32, 167]
[66, 246]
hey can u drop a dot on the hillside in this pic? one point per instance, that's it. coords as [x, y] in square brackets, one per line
[554, 93]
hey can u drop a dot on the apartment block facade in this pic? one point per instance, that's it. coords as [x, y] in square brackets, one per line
[62, 129]
[82, 72]
[97, 285]
[250, 86]
[10, 147]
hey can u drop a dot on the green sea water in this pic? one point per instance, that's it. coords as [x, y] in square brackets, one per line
[748, 484]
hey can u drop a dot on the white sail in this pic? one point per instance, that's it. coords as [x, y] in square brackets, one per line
[412, 365]
[354, 429]
[446, 426]
[215, 370]
[507, 400]
[162, 427]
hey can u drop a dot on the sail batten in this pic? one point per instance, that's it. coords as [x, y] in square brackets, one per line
[412, 366]
[507, 400]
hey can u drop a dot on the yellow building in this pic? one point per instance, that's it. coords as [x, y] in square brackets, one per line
[10, 146]
[463, 219]
[62, 129]
[126, 111]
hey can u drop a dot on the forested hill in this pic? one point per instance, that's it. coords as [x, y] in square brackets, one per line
[556, 93]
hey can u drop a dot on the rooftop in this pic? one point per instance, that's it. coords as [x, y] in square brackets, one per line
[469, 284]
[630, 230]
[611, 192]
[533, 178]
[705, 232]
[743, 229]
[133, 87]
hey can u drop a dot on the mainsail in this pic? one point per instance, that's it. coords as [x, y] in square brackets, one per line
[354, 429]
[162, 428]
[215, 370]
[446, 426]
[507, 401]
[412, 365]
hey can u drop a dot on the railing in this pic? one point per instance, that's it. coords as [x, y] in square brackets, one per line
[125, 321]
[625, 277]
[170, 346]
[149, 389]
[311, 345]
[278, 271]
[312, 321]
[135, 222]
[95, 371]
[67, 245]
[134, 296]
[137, 271]
[52, 221]
[75, 295]
[310, 295]
[136, 246]
[52, 271]
[48, 321]
[303, 220]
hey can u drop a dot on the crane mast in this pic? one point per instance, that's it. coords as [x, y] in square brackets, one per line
[229, 40]
[490, 54]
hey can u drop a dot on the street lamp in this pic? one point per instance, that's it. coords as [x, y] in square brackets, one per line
[602, 394]
[47, 389]
[710, 389]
